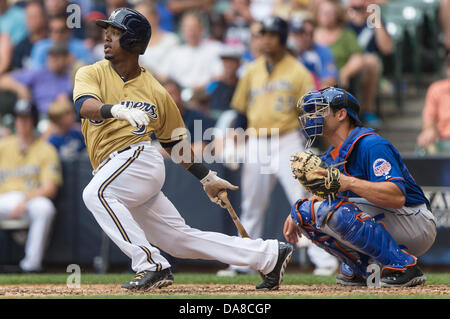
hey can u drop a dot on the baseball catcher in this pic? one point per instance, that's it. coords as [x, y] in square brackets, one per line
[375, 212]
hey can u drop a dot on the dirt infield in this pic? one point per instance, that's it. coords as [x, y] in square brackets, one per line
[15, 291]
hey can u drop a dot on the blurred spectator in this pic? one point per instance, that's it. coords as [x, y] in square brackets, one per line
[64, 133]
[59, 33]
[189, 115]
[180, 7]
[436, 116]
[217, 31]
[331, 31]
[55, 7]
[6, 52]
[112, 5]
[444, 14]
[373, 41]
[30, 175]
[317, 58]
[94, 35]
[36, 19]
[261, 9]
[221, 91]
[165, 16]
[254, 50]
[161, 43]
[12, 21]
[287, 9]
[238, 19]
[193, 64]
[43, 85]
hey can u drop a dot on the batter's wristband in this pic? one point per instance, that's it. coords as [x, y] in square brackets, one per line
[105, 111]
[198, 170]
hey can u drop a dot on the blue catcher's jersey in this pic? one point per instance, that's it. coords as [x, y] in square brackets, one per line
[372, 158]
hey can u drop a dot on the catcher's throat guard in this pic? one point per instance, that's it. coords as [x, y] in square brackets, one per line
[312, 110]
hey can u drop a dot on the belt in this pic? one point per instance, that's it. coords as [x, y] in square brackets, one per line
[124, 149]
[109, 158]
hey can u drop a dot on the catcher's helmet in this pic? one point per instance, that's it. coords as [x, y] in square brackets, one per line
[276, 24]
[137, 29]
[314, 106]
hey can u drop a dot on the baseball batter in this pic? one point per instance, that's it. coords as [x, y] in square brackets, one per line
[266, 95]
[380, 216]
[121, 105]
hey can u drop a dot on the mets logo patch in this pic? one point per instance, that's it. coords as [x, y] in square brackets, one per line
[381, 167]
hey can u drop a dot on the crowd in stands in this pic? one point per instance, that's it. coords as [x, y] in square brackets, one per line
[198, 51]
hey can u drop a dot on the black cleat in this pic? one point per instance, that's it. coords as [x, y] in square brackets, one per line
[273, 279]
[353, 281]
[145, 280]
[410, 277]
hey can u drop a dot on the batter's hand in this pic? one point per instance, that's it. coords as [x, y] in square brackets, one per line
[290, 231]
[213, 185]
[135, 117]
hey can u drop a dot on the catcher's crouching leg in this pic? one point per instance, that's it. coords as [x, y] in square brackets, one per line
[351, 228]
[309, 219]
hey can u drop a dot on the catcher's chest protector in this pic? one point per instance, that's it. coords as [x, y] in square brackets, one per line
[335, 156]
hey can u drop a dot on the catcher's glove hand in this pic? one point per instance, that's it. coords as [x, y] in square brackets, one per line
[304, 166]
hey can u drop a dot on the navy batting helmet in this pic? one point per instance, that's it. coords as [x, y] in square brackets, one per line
[137, 29]
[26, 108]
[276, 24]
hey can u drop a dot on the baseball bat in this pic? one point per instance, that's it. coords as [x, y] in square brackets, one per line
[223, 196]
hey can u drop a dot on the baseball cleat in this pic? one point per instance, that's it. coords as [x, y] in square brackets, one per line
[410, 277]
[350, 281]
[347, 277]
[146, 280]
[273, 279]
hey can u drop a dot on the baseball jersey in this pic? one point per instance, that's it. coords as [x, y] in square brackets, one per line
[102, 82]
[26, 172]
[269, 99]
[372, 158]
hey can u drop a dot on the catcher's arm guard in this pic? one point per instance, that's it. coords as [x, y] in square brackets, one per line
[304, 166]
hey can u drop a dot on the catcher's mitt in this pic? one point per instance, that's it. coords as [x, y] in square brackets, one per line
[304, 165]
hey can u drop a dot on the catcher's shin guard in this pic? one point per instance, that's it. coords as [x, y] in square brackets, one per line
[310, 220]
[367, 236]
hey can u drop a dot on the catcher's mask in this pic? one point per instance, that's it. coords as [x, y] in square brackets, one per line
[315, 106]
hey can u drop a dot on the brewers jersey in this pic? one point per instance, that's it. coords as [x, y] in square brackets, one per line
[25, 172]
[103, 83]
[269, 99]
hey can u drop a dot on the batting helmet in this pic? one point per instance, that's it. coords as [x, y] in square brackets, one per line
[278, 25]
[137, 29]
[26, 108]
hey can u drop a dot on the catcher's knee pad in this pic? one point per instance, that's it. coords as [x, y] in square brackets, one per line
[309, 216]
[362, 232]
[306, 213]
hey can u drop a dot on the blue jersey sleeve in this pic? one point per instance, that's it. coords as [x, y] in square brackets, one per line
[383, 165]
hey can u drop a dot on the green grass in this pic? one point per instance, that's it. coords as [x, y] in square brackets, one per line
[189, 278]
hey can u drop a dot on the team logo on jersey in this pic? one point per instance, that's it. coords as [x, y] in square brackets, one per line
[381, 167]
[148, 108]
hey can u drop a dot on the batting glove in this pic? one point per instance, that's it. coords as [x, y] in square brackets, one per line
[135, 117]
[213, 185]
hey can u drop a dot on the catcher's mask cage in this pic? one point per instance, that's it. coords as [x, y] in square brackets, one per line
[312, 110]
[314, 107]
